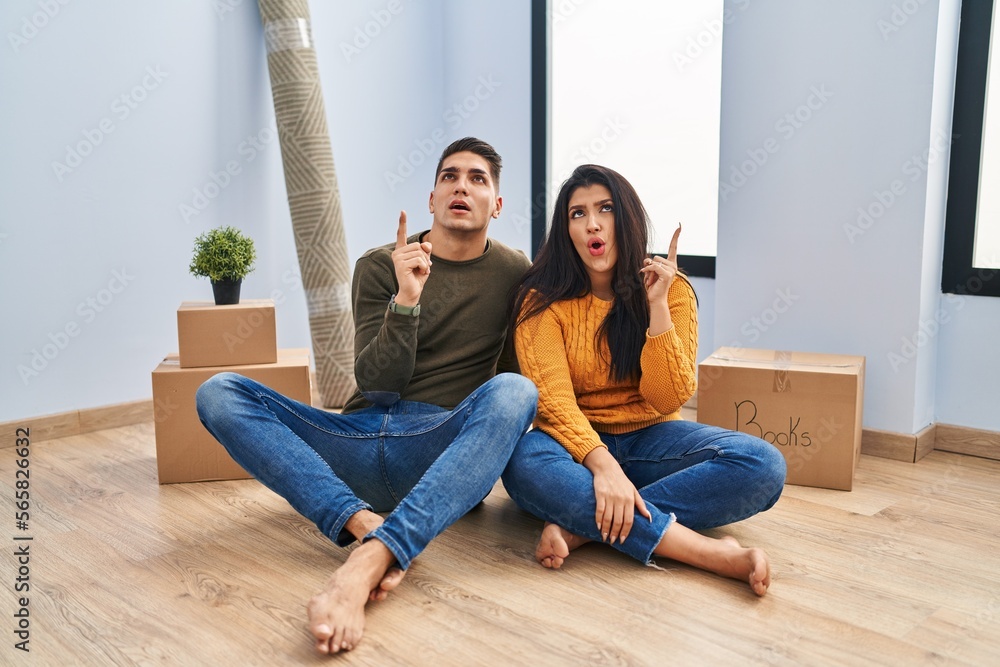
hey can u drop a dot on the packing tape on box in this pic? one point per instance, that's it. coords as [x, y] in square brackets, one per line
[782, 382]
[782, 362]
[811, 364]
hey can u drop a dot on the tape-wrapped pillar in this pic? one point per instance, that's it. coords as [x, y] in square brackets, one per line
[313, 197]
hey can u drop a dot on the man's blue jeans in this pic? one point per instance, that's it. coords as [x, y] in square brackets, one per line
[702, 476]
[425, 464]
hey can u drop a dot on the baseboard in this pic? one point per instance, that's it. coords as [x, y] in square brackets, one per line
[889, 445]
[898, 446]
[75, 422]
[926, 440]
[965, 440]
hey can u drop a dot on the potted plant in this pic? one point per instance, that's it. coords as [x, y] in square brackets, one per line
[225, 256]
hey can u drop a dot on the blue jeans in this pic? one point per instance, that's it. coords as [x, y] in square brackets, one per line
[425, 464]
[702, 476]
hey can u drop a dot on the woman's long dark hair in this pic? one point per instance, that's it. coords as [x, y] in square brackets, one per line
[558, 272]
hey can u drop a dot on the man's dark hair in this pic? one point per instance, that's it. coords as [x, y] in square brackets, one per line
[480, 148]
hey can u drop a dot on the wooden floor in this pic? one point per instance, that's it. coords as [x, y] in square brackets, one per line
[904, 570]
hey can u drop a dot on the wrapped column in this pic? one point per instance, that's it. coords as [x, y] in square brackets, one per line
[313, 197]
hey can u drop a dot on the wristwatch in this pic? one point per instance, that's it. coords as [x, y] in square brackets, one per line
[412, 311]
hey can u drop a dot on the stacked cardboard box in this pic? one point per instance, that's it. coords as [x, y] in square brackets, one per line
[210, 335]
[807, 405]
[214, 339]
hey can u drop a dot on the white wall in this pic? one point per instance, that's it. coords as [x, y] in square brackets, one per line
[62, 240]
[796, 269]
[969, 363]
[855, 285]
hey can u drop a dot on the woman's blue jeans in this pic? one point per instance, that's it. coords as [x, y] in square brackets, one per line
[426, 465]
[702, 476]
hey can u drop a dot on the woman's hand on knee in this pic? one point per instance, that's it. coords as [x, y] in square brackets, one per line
[616, 497]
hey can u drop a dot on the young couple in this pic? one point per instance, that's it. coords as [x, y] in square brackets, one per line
[608, 336]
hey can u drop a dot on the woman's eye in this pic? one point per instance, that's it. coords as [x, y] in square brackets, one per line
[607, 208]
[575, 214]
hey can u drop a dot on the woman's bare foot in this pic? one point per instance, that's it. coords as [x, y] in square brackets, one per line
[724, 556]
[555, 544]
[747, 563]
[337, 613]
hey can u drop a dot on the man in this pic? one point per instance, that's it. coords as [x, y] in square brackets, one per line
[429, 430]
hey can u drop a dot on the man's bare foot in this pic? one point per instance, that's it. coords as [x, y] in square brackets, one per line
[724, 556]
[393, 577]
[337, 613]
[359, 525]
[555, 544]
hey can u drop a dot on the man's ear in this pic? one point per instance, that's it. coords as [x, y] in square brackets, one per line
[430, 203]
[496, 211]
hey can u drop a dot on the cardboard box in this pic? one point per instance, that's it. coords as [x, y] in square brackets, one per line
[210, 335]
[185, 451]
[807, 405]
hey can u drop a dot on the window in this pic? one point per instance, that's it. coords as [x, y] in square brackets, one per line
[972, 228]
[635, 86]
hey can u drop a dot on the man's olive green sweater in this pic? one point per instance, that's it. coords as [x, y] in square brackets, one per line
[452, 347]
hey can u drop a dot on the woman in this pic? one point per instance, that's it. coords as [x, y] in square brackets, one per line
[609, 336]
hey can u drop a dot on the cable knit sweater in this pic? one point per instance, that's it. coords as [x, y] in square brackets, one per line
[557, 350]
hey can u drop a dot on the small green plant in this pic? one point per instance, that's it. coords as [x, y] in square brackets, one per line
[223, 253]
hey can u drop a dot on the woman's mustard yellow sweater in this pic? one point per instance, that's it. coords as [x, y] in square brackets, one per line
[557, 349]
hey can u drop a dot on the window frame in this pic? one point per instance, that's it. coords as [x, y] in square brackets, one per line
[959, 275]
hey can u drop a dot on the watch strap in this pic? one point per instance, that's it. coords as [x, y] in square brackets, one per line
[412, 311]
